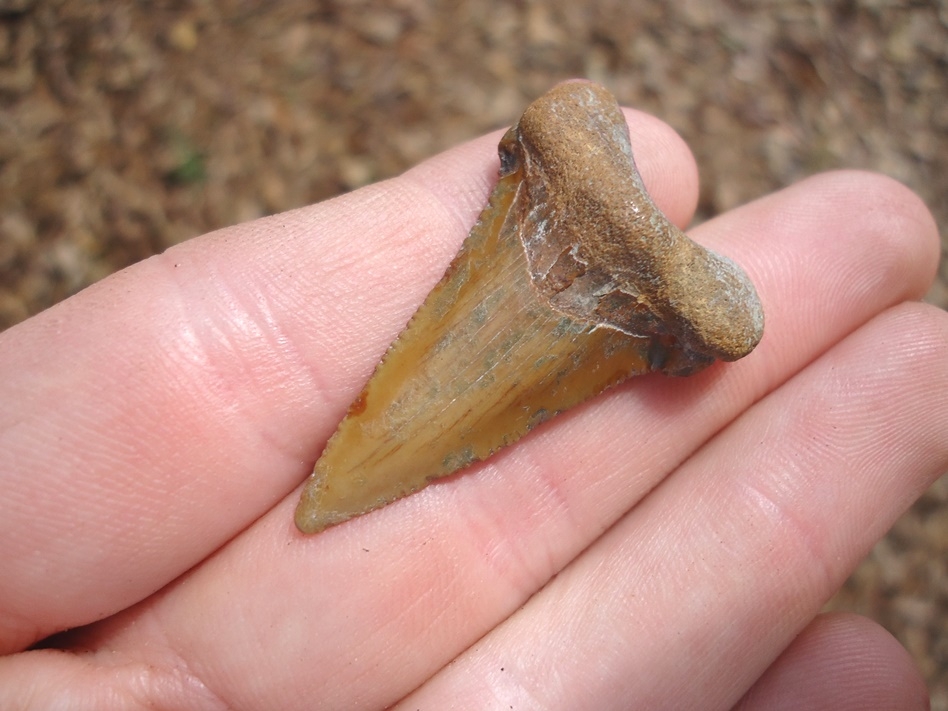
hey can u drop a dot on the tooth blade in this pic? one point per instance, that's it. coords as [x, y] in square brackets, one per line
[482, 362]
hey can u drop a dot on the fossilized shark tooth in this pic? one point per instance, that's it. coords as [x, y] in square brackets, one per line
[570, 282]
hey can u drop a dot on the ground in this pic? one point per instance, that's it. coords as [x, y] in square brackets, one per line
[128, 127]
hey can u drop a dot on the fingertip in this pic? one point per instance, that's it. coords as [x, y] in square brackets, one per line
[840, 661]
[667, 165]
[886, 224]
[903, 223]
[827, 254]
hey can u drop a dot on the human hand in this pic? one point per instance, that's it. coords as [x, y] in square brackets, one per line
[659, 547]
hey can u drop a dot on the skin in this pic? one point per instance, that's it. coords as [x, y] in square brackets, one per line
[155, 429]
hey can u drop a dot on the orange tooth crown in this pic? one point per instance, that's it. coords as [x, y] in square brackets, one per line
[570, 282]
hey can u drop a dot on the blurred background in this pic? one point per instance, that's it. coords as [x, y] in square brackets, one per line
[128, 127]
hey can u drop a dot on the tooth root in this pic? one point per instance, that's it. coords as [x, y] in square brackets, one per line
[529, 320]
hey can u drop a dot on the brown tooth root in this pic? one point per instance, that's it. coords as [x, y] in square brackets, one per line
[570, 282]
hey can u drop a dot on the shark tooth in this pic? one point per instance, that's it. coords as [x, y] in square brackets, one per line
[570, 282]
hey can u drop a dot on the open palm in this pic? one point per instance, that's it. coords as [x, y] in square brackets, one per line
[667, 545]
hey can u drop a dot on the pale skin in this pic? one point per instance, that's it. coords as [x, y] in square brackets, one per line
[155, 430]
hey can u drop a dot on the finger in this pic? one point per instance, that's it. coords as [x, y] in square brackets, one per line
[840, 662]
[687, 600]
[434, 572]
[151, 417]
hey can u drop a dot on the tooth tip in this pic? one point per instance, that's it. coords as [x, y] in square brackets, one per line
[313, 517]
[308, 518]
[306, 522]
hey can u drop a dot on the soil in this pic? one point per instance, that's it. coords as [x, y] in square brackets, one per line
[128, 127]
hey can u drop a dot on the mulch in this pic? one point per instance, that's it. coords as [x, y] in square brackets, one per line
[126, 128]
